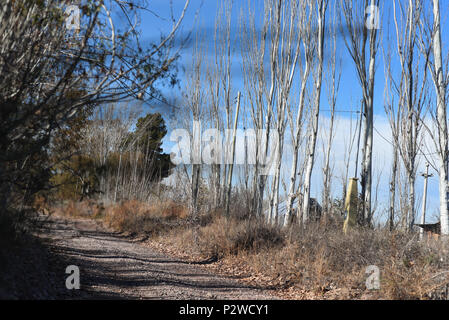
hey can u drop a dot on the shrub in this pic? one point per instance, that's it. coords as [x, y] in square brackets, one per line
[139, 217]
[230, 236]
[83, 209]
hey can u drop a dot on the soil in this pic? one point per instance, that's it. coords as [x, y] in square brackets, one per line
[112, 266]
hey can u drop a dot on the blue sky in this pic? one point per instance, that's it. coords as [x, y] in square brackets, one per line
[201, 16]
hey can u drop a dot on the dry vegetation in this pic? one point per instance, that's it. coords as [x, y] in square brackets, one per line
[320, 260]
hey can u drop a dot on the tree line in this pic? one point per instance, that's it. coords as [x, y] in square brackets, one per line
[52, 77]
[281, 49]
[61, 92]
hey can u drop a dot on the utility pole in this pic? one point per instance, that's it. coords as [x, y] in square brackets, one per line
[424, 200]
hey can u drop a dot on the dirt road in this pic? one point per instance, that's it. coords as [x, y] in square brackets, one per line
[113, 266]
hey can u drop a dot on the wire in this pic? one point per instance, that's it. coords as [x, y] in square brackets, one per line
[347, 111]
[340, 111]
[382, 136]
[419, 153]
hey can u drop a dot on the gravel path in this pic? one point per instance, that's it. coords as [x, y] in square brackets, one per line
[113, 266]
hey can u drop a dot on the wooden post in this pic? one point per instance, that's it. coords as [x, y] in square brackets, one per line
[351, 205]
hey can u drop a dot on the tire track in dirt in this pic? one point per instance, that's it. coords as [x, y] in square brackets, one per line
[113, 266]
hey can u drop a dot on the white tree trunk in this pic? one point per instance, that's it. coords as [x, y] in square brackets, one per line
[297, 136]
[316, 108]
[394, 174]
[358, 36]
[442, 121]
[232, 156]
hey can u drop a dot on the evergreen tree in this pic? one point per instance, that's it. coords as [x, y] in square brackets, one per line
[150, 130]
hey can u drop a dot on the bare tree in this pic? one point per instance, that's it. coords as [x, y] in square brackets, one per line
[284, 53]
[217, 122]
[332, 84]
[395, 169]
[356, 39]
[232, 155]
[223, 65]
[411, 91]
[195, 109]
[321, 19]
[440, 80]
[106, 134]
[48, 73]
[259, 84]
[308, 45]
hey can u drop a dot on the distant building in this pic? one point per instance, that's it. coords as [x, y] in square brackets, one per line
[431, 230]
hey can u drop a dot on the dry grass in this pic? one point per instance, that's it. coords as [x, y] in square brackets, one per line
[81, 209]
[320, 258]
[130, 216]
[151, 219]
[230, 236]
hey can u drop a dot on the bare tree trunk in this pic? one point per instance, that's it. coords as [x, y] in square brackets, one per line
[223, 65]
[214, 97]
[355, 16]
[284, 54]
[327, 172]
[232, 156]
[367, 164]
[333, 85]
[117, 178]
[196, 166]
[308, 45]
[394, 174]
[412, 97]
[440, 88]
[274, 8]
[322, 6]
[296, 142]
